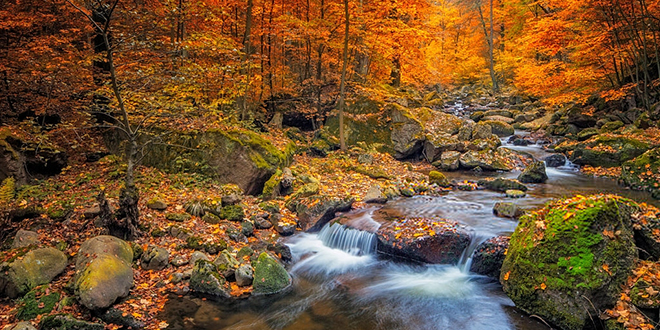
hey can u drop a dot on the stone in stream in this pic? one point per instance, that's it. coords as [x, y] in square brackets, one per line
[534, 173]
[487, 259]
[30, 269]
[514, 193]
[269, 276]
[375, 195]
[436, 241]
[502, 184]
[507, 210]
[315, 211]
[569, 261]
[555, 160]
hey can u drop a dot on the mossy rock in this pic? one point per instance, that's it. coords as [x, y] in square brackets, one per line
[269, 207]
[608, 151]
[205, 279]
[37, 302]
[438, 178]
[211, 218]
[502, 184]
[500, 128]
[67, 322]
[245, 251]
[587, 133]
[645, 295]
[271, 187]
[571, 257]
[177, 217]
[643, 172]
[373, 172]
[534, 173]
[34, 268]
[270, 277]
[514, 193]
[102, 281]
[232, 213]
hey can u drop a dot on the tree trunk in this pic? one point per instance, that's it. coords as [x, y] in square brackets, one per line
[342, 86]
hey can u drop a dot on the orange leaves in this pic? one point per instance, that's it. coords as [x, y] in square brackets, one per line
[506, 276]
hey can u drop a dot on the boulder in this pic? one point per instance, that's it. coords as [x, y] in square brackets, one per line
[285, 228]
[486, 160]
[25, 238]
[506, 120]
[555, 160]
[449, 161]
[261, 222]
[507, 210]
[157, 204]
[30, 270]
[197, 255]
[501, 184]
[103, 271]
[206, 279]
[587, 133]
[534, 173]
[642, 172]
[244, 275]
[466, 130]
[67, 322]
[155, 258]
[499, 128]
[569, 261]
[606, 151]
[487, 259]
[514, 193]
[270, 277]
[582, 119]
[441, 241]
[247, 228]
[314, 212]
[226, 264]
[438, 178]
[375, 195]
[20, 326]
[437, 144]
[482, 131]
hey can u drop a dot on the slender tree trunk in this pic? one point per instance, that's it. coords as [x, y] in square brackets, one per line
[245, 60]
[342, 86]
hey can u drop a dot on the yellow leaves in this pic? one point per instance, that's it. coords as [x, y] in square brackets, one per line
[506, 276]
[568, 215]
[606, 268]
[543, 286]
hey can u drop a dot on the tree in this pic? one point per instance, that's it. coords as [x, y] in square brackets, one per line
[342, 88]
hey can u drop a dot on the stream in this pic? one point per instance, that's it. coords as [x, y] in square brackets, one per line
[339, 282]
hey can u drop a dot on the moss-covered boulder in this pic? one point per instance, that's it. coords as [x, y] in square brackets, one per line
[438, 178]
[177, 217]
[314, 212]
[232, 213]
[67, 322]
[206, 279]
[37, 302]
[486, 160]
[568, 261]
[534, 173]
[449, 161]
[29, 270]
[499, 128]
[501, 184]
[238, 156]
[270, 277]
[507, 210]
[611, 126]
[425, 240]
[226, 264]
[643, 172]
[104, 271]
[605, 151]
[438, 144]
[515, 193]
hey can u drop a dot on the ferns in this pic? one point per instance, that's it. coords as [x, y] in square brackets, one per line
[7, 190]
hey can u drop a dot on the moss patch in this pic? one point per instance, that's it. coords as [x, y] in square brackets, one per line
[37, 302]
[269, 276]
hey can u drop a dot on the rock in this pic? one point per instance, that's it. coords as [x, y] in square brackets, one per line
[606, 151]
[314, 212]
[118, 317]
[465, 131]
[92, 212]
[442, 243]
[407, 192]
[366, 159]
[499, 113]
[576, 116]
[282, 251]
[499, 128]
[156, 204]
[407, 134]
[178, 232]
[570, 260]
[634, 173]
[534, 173]
[244, 275]
[269, 276]
[176, 278]
[498, 118]
[488, 257]
[247, 228]
[262, 223]
[611, 126]
[25, 238]
[226, 264]
[587, 133]
[67, 322]
[179, 261]
[20, 326]
[375, 195]
[449, 161]
[197, 255]
[211, 218]
[155, 258]
[177, 217]
[285, 228]
[38, 301]
[482, 131]
[514, 193]
[645, 295]
[206, 279]
[555, 160]
[502, 184]
[436, 145]
[507, 210]
[236, 235]
[438, 178]
[245, 251]
[232, 213]
[231, 199]
[486, 160]
[22, 213]
[30, 270]
[103, 271]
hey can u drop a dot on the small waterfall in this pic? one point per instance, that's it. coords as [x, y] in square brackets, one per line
[353, 241]
[466, 258]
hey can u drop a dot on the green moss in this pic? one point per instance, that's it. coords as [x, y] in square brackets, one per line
[373, 172]
[641, 173]
[245, 251]
[438, 178]
[269, 207]
[67, 322]
[102, 269]
[36, 302]
[232, 213]
[269, 276]
[272, 184]
[177, 217]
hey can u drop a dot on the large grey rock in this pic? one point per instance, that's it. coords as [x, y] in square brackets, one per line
[407, 135]
[226, 263]
[555, 160]
[155, 258]
[450, 161]
[375, 195]
[486, 160]
[25, 238]
[507, 210]
[534, 173]
[244, 275]
[35, 268]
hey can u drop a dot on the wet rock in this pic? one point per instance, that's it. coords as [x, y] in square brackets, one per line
[486, 160]
[104, 271]
[507, 210]
[314, 212]
[534, 173]
[197, 255]
[375, 195]
[67, 322]
[281, 250]
[488, 257]
[449, 161]
[269, 276]
[244, 275]
[606, 151]
[570, 260]
[442, 241]
[502, 184]
[555, 160]
[499, 128]
[155, 258]
[30, 270]
[465, 131]
[25, 238]
[436, 145]
[207, 280]
[118, 317]
[634, 173]
[285, 228]
[514, 193]
[156, 204]
[438, 178]
[407, 192]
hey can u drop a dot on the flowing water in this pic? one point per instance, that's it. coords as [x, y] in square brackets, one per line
[339, 282]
